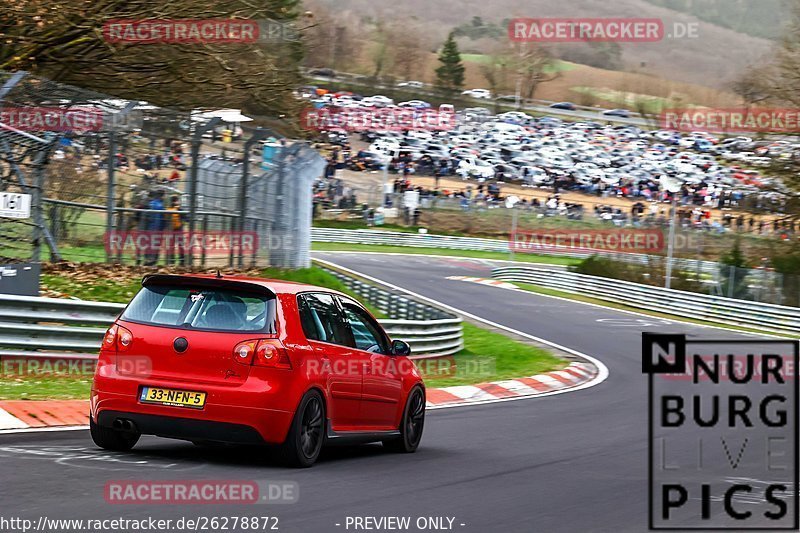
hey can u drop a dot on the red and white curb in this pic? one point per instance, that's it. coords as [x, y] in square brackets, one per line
[9, 421]
[36, 414]
[485, 281]
[71, 414]
[575, 375]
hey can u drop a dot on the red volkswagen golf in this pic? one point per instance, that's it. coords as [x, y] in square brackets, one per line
[253, 361]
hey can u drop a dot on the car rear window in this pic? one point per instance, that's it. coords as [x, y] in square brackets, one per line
[202, 308]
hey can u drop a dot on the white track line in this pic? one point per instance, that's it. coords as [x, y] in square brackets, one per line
[602, 370]
[44, 429]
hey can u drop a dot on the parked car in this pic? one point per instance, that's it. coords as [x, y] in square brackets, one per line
[325, 72]
[472, 166]
[209, 358]
[564, 105]
[623, 113]
[413, 84]
[378, 100]
[416, 104]
[482, 94]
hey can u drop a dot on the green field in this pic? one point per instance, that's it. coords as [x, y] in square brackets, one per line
[483, 59]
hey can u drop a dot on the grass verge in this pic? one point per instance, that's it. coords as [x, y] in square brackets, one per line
[46, 388]
[489, 356]
[523, 258]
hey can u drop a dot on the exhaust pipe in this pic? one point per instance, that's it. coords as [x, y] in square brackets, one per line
[123, 424]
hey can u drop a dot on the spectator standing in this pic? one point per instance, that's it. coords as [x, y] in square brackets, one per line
[155, 224]
[176, 226]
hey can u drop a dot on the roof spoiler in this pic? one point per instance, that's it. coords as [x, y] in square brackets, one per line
[216, 283]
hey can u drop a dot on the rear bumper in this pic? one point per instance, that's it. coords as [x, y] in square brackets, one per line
[185, 428]
[222, 423]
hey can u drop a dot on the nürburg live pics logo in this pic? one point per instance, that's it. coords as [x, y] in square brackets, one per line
[723, 442]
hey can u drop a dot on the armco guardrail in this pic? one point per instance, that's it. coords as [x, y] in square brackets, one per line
[32, 327]
[399, 238]
[419, 240]
[45, 327]
[767, 317]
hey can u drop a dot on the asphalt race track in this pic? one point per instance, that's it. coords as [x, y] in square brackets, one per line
[568, 462]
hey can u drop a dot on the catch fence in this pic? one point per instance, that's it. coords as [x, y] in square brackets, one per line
[137, 184]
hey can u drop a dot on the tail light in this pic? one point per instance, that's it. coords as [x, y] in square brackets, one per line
[243, 352]
[265, 352]
[124, 339]
[117, 338]
[272, 353]
[110, 338]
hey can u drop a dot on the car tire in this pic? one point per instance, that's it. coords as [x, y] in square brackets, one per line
[411, 425]
[111, 439]
[307, 432]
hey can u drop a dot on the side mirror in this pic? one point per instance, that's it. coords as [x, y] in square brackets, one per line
[400, 348]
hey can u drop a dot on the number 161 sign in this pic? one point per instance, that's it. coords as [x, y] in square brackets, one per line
[15, 205]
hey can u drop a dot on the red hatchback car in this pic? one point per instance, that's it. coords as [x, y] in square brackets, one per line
[253, 361]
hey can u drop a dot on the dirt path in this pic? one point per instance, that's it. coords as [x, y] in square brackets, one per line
[368, 187]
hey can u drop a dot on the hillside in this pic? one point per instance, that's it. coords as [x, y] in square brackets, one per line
[714, 59]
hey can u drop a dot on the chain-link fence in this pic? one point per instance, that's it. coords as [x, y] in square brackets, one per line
[123, 181]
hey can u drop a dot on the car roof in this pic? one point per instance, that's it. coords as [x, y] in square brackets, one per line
[276, 286]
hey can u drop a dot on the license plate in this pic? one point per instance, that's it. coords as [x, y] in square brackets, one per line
[172, 397]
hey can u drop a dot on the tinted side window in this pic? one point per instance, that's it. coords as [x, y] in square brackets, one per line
[366, 333]
[321, 319]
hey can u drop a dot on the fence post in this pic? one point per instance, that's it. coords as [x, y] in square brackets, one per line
[111, 193]
[513, 238]
[38, 215]
[731, 280]
[258, 135]
[204, 228]
[197, 141]
[256, 228]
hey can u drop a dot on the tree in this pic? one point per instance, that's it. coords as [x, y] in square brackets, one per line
[750, 86]
[776, 82]
[477, 29]
[380, 50]
[450, 75]
[534, 64]
[331, 40]
[733, 271]
[410, 56]
[64, 41]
